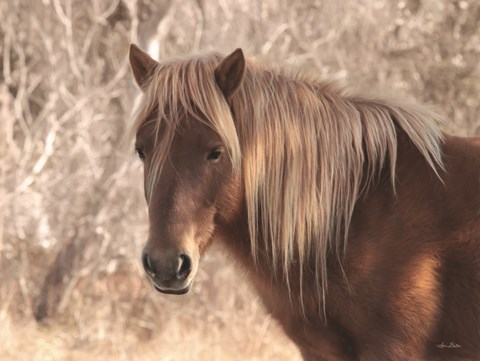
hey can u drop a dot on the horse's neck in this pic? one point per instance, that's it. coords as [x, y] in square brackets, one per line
[419, 203]
[421, 197]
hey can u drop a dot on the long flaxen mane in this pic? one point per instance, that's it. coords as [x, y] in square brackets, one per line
[306, 149]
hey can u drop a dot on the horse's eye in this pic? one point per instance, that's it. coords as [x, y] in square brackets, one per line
[140, 153]
[215, 155]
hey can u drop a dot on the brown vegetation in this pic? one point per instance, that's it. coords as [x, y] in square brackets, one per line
[72, 218]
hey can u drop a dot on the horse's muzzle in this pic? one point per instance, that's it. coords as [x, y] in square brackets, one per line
[172, 292]
[169, 275]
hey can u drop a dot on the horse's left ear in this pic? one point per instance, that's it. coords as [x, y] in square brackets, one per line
[230, 72]
[141, 64]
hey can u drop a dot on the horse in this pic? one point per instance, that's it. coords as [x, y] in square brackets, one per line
[354, 216]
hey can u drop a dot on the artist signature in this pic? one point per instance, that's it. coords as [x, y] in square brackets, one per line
[450, 345]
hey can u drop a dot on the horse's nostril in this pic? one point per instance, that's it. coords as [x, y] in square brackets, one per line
[184, 266]
[147, 265]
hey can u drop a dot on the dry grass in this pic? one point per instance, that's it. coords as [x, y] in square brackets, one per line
[221, 320]
[72, 214]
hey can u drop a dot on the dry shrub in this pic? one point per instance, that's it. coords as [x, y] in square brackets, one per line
[72, 220]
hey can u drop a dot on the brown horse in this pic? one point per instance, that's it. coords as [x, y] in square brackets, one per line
[356, 218]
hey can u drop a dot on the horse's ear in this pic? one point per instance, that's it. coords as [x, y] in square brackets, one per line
[229, 73]
[141, 64]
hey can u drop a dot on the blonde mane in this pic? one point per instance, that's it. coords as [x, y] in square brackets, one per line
[305, 149]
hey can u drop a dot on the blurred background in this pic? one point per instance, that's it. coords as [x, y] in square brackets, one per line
[72, 212]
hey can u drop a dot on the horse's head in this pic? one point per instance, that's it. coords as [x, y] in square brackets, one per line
[190, 186]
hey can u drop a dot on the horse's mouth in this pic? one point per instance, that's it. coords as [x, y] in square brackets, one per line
[172, 292]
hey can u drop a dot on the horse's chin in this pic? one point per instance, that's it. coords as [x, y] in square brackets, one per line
[172, 292]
